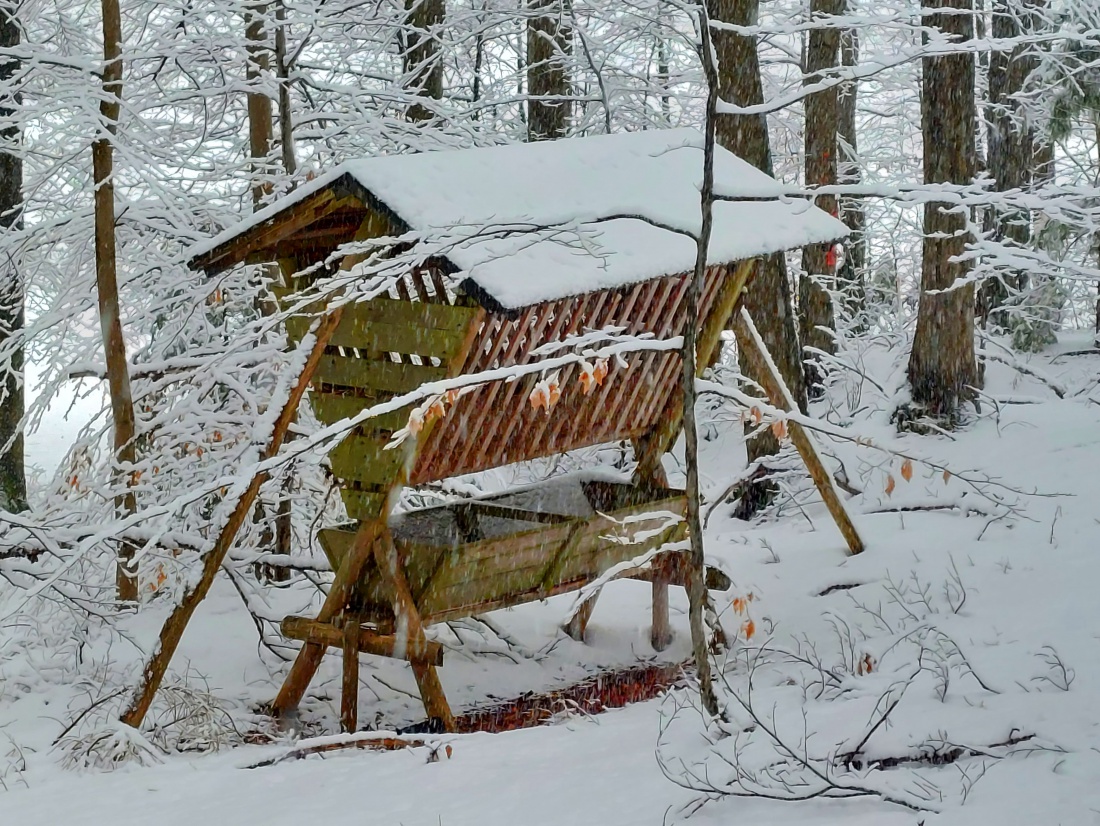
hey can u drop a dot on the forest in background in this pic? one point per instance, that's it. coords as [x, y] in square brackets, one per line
[960, 143]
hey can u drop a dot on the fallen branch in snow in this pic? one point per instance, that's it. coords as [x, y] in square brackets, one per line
[374, 740]
[1008, 359]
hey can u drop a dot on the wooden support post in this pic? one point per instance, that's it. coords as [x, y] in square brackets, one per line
[578, 623]
[349, 695]
[309, 657]
[370, 642]
[660, 634]
[748, 338]
[408, 621]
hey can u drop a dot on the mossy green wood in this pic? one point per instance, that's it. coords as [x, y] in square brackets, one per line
[331, 408]
[382, 376]
[374, 338]
[509, 570]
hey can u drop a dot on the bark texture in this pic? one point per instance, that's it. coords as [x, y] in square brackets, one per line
[768, 296]
[13, 482]
[259, 104]
[110, 315]
[423, 68]
[1010, 153]
[816, 320]
[286, 117]
[850, 277]
[549, 45]
[942, 366]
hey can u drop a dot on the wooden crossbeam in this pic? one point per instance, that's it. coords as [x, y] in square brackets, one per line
[369, 642]
[408, 621]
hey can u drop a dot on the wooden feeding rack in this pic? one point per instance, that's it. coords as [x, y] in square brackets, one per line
[463, 314]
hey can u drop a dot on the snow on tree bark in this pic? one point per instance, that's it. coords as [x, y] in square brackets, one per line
[815, 309]
[549, 45]
[942, 367]
[850, 278]
[423, 67]
[110, 319]
[768, 295]
[13, 484]
[1009, 153]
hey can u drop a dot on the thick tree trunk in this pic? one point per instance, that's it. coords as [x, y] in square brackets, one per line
[13, 480]
[549, 44]
[110, 316]
[942, 366]
[423, 68]
[259, 104]
[768, 297]
[850, 277]
[816, 321]
[1009, 155]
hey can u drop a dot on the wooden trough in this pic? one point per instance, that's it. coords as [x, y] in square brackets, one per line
[397, 574]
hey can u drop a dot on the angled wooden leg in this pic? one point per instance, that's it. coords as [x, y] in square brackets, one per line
[309, 657]
[578, 624]
[411, 629]
[349, 695]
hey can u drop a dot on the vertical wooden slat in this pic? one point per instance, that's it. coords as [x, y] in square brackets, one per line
[479, 406]
[612, 386]
[570, 392]
[493, 442]
[635, 377]
[564, 423]
[644, 385]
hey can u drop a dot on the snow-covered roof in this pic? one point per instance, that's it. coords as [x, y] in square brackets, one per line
[569, 191]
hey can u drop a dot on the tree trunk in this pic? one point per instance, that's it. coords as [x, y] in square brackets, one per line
[1009, 155]
[696, 574]
[259, 104]
[942, 366]
[851, 274]
[768, 296]
[816, 321]
[286, 115]
[13, 480]
[549, 44]
[110, 316]
[423, 68]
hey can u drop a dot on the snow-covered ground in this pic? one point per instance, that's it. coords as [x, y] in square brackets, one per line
[970, 621]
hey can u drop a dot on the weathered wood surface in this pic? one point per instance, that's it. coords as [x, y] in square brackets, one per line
[778, 394]
[369, 642]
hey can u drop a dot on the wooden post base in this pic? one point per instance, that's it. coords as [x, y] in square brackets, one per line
[349, 695]
[578, 624]
[660, 634]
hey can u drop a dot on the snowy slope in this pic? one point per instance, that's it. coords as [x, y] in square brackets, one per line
[1012, 592]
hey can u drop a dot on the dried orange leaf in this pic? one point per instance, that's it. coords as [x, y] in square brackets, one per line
[748, 629]
[889, 484]
[946, 476]
[907, 469]
[599, 372]
[436, 410]
[779, 428]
